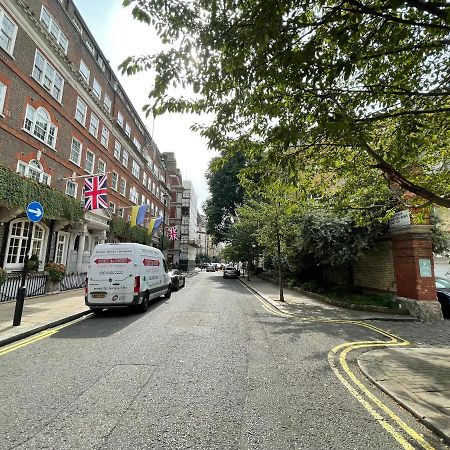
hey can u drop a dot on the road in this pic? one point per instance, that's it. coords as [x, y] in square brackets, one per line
[212, 367]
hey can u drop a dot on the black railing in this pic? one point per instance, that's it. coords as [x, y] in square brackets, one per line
[72, 281]
[34, 283]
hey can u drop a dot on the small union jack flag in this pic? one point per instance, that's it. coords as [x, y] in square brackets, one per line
[173, 235]
[95, 192]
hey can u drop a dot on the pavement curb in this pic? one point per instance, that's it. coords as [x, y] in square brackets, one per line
[36, 330]
[427, 422]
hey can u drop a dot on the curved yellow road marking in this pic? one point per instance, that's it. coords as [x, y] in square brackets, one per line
[345, 349]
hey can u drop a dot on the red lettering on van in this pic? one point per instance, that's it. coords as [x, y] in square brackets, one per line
[150, 262]
[112, 261]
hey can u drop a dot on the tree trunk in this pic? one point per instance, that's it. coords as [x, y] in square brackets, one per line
[280, 273]
[248, 270]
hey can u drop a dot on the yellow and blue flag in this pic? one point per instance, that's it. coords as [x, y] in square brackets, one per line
[138, 215]
[154, 224]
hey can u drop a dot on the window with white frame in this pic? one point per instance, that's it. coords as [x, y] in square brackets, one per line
[33, 170]
[96, 89]
[77, 24]
[75, 151]
[45, 74]
[61, 247]
[81, 111]
[105, 137]
[17, 243]
[123, 186]
[133, 195]
[90, 46]
[143, 199]
[114, 180]
[71, 188]
[107, 103]
[53, 28]
[117, 149]
[112, 207]
[38, 123]
[137, 143]
[2, 96]
[8, 32]
[101, 166]
[125, 158]
[127, 129]
[121, 212]
[153, 187]
[144, 179]
[89, 162]
[120, 119]
[135, 169]
[84, 71]
[94, 124]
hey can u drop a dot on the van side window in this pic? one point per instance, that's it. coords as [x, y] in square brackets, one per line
[165, 266]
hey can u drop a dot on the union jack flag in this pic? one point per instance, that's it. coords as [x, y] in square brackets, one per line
[95, 192]
[173, 235]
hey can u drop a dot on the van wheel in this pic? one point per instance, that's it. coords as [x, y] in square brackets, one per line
[144, 305]
[168, 293]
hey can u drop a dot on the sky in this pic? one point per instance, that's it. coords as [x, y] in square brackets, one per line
[120, 36]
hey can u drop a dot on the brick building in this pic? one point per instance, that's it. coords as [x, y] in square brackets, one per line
[64, 114]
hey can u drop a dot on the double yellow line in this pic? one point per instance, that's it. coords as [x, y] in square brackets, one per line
[337, 359]
[35, 338]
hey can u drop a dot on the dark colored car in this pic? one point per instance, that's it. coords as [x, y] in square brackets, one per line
[230, 272]
[177, 280]
[443, 295]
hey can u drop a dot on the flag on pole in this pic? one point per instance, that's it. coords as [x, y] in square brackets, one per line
[95, 191]
[173, 234]
[154, 224]
[138, 215]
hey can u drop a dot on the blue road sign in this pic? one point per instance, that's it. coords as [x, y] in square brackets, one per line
[35, 211]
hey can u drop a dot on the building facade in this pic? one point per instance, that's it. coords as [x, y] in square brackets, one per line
[64, 115]
[188, 232]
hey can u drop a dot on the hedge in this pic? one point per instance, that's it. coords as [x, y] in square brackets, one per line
[18, 191]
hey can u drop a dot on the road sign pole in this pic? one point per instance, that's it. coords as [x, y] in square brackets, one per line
[21, 291]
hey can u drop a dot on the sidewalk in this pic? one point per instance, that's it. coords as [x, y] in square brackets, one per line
[416, 378]
[40, 313]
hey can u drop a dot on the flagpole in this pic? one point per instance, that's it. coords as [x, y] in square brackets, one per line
[84, 176]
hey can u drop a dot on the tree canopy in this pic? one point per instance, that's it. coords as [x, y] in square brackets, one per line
[356, 91]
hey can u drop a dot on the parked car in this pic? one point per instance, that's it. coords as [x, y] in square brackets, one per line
[177, 279]
[210, 268]
[443, 295]
[230, 272]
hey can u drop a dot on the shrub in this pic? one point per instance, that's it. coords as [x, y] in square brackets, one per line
[2, 276]
[33, 262]
[55, 271]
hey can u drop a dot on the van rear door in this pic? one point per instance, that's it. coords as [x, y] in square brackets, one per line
[111, 276]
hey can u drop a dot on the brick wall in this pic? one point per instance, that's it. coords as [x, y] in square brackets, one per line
[375, 270]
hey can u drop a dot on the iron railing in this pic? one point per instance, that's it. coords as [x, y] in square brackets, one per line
[72, 281]
[34, 283]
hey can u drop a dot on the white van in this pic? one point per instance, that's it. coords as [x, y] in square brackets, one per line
[125, 274]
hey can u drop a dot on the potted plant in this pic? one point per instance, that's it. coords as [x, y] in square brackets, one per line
[2, 275]
[33, 263]
[55, 276]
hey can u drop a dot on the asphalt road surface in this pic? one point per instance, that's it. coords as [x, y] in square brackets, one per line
[213, 367]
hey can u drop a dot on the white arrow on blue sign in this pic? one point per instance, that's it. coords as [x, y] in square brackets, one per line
[35, 211]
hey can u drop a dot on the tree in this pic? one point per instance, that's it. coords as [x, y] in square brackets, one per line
[329, 87]
[226, 194]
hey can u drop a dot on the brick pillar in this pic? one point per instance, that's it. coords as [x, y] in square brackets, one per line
[414, 271]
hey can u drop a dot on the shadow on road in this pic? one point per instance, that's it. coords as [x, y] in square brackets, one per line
[107, 323]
